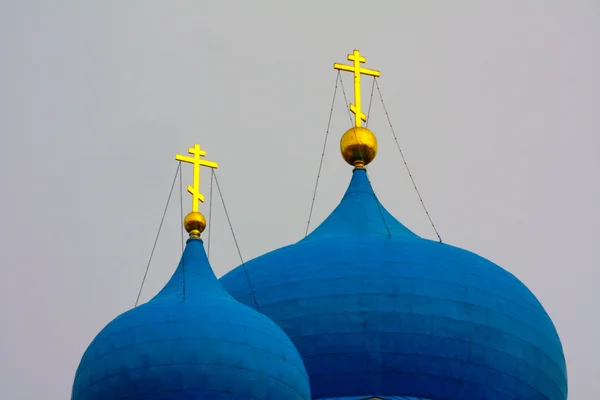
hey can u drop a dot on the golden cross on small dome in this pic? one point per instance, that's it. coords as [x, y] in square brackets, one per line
[197, 161]
[195, 222]
[360, 117]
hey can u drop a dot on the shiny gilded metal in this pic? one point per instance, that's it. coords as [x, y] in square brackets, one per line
[359, 116]
[195, 222]
[197, 161]
[358, 146]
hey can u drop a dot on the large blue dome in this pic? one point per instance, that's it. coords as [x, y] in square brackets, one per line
[374, 310]
[191, 341]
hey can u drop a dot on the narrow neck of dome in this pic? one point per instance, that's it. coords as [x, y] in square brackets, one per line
[359, 164]
[194, 276]
[360, 214]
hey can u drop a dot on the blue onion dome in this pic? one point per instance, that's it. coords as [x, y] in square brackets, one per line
[377, 311]
[191, 341]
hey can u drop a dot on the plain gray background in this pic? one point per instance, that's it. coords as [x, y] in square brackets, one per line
[495, 105]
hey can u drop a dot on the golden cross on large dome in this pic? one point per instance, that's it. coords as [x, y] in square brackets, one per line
[356, 109]
[358, 144]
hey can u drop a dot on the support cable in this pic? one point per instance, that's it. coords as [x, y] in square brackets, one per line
[157, 235]
[181, 208]
[346, 99]
[406, 164]
[387, 228]
[212, 172]
[370, 102]
[236, 243]
[312, 204]
[182, 227]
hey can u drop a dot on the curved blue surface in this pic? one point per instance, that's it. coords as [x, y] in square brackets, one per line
[375, 310]
[375, 398]
[204, 345]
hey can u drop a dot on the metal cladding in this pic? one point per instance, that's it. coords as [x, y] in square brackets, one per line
[376, 311]
[191, 341]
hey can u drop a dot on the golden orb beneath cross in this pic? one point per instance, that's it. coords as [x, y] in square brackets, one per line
[194, 224]
[358, 146]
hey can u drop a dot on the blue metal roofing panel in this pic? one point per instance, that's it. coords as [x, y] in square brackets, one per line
[375, 398]
[398, 315]
[204, 345]
[359, 213]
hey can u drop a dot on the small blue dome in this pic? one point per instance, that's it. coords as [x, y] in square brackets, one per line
[375, 310]
[199, 345]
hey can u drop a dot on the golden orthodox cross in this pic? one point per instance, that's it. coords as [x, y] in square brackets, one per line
[197, 161]
[358, 70]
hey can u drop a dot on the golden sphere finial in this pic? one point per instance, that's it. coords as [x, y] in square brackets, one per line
[358, 146]
[194, 224]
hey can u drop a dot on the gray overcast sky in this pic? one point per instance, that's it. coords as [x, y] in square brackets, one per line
[495, 105]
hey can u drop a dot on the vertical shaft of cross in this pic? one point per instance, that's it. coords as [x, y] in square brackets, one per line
[359, 116]
[195, 191]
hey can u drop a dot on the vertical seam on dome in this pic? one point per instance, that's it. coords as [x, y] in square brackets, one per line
[387, 228]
